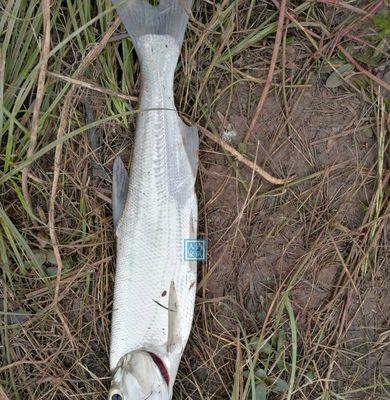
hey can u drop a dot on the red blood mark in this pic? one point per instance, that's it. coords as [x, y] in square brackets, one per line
[161, 366]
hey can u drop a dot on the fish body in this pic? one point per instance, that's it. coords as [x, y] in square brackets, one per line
[155, 210]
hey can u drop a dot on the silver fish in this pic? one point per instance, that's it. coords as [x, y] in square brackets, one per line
[154, 211]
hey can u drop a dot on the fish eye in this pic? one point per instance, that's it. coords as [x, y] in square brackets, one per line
[116, 397]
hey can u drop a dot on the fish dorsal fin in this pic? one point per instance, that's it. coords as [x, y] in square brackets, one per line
[120, 185]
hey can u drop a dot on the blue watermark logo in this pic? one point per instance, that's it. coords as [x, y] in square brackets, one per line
[194, 250]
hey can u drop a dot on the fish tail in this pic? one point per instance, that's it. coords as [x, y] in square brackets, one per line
[169, 17]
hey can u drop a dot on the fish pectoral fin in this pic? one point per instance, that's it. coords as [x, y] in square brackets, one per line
[120, 185]
[173, 327]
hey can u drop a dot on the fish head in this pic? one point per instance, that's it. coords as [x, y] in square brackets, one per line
[139, 376]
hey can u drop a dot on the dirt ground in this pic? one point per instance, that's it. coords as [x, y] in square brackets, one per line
[293, 301]
[258, 239]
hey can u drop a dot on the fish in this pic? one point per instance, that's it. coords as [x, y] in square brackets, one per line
[154, 212]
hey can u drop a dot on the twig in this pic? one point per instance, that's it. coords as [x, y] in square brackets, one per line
[225, 38]
[2, 72]
[206, 30]
[343, 4]
[38, 101]
[361, 69]
[244, 160]
[92, 86]
[278, 39]
[3, 395]
[369, 75]
[344, 32]
[64, 121]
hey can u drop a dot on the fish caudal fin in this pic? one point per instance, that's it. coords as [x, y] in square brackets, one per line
[140, 18]
[120, 185]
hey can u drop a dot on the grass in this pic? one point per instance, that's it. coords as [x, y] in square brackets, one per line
[293, 299]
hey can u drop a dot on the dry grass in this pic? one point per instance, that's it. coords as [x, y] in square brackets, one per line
[293, 301]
